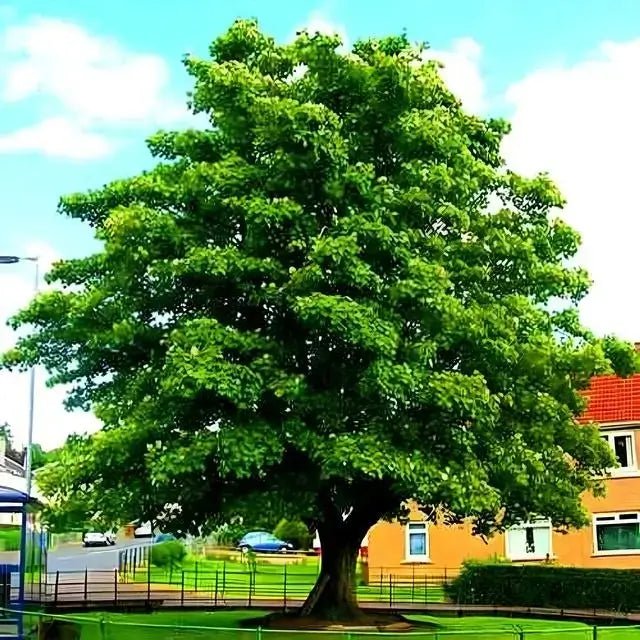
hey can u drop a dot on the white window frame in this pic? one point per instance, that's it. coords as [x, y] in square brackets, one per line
[535, 524]
[409, 557]
[609, 435]
[613, 518]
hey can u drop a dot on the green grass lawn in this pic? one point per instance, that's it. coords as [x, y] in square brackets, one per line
[223, 625]
[232, 578]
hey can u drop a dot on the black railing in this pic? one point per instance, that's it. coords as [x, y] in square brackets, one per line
[201, 587]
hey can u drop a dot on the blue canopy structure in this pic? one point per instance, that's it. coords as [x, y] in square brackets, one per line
[14, 501]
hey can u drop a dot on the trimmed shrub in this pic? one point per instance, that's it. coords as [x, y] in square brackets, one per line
[168, 554]
[547, 586]
[9, 538]
[294, 532]
[228, 535]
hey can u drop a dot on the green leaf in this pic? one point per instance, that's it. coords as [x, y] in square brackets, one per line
[307, 309]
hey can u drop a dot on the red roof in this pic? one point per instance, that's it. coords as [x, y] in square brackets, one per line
[613, 399]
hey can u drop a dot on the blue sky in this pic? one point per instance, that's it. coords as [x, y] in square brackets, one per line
[83, 83]
[516, 37]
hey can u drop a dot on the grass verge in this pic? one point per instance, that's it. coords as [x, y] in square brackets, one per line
[234, 579]
[228, 625]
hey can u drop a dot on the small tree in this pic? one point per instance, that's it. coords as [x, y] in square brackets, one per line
[10, 451]
[334, 299]
[229, 534]
[168, 555]
[40, 457]
[251, 559]
[295, 532]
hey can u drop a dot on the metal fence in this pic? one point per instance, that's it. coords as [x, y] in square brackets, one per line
[273, 588]
[277, 587]
[107, 627]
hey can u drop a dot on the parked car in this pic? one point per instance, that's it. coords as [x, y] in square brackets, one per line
[263, 542]
[98, 539]
[164, 537]
[143, 531]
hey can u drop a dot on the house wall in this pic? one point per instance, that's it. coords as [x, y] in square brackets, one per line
[615, 404]
[449, 547]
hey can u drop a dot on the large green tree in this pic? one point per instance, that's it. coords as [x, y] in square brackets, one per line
[334, 299]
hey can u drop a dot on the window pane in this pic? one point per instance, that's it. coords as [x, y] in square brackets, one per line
[417, 543]
[622, 449]
[542, 537]
[517, 543]
[618, 537]
[530, 544]
[529, 541]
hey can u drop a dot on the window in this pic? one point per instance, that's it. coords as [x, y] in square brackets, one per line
[529, 541]
[417, 542]
[623, 445]
[617, 533]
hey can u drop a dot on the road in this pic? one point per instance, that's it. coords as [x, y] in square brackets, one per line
[76, 558]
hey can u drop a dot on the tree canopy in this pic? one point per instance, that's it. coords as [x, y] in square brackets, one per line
[39, 457]
[10, 450]
[332, 300]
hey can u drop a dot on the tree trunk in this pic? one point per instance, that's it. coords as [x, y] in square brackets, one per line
[334, 595]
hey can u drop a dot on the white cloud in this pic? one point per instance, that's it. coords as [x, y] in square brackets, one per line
[90, 83]
[580, 123]
[52, 423]
[59, 137]
[462, 72]
[461, 69]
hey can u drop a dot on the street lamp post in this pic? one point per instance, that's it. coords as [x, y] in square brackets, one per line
[32, 375]
[28, 452]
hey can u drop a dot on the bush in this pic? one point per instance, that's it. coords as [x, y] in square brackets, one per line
[228, 535]
[295, 532]
[547, 586]
[59, 630]
[9, 538]
[168, 554]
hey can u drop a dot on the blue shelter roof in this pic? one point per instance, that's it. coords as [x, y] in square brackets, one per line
[13, 496]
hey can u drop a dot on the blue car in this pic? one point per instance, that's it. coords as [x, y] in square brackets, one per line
[263, 542]
[164, 537]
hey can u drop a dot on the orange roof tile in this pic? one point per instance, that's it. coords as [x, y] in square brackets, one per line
[613, 399]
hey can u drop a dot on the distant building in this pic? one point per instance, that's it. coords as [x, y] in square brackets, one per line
[612, 539]
[13, 476]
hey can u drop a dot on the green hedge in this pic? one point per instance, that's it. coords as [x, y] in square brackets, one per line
[295, 532]
[9, 538]
[168, 554]
[547, 586]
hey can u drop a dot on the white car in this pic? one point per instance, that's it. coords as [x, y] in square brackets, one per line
[143, 531]
[98, 539]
